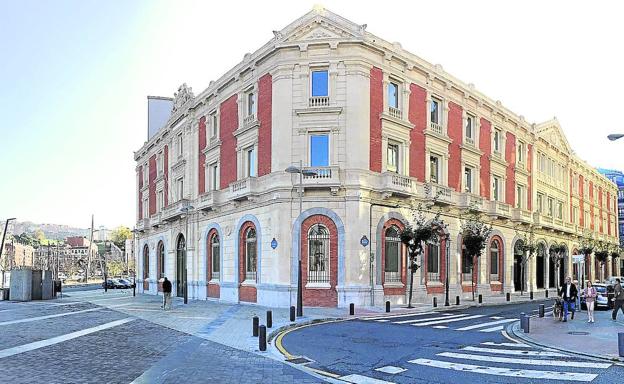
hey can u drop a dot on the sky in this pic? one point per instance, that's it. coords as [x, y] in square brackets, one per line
[75, 75]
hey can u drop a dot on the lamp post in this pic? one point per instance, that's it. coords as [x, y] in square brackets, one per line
[446, 277]
[186, 209]
[370, 245]
[301, 172]
[6, 225]
[615, 136]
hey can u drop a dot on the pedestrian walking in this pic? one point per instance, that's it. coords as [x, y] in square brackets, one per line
[166, 294]
[619, 298]
[569, 294]
[590, 293]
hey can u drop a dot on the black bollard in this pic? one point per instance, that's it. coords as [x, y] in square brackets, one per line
[435, 302]
[522, 321]
[262, 338]
[531, 295]
[541, 310]
[508, 296]
[621, 344]
[256, 322]
[546, 294]
[351, 309]
[292, 313]
[480, 298]
[526, 323]
[456, 300]
[269, 319]
[387, 306]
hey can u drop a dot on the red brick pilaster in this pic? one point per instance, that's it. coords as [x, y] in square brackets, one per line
[265, 112]
[376, 108]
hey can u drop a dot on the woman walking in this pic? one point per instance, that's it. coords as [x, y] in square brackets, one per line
[590, 294]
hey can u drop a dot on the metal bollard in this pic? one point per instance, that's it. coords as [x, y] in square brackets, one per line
[351, 309]
[526, 323]
[541, 310]
[456, 300]
[621, 343]
[531, 295]
[269, 319]
[522, 320]
[546, 294]
[480, 298]
[387, 306]
[262, 338]
[435, 302]
[508, 297]
[292, 313]
[256, 322]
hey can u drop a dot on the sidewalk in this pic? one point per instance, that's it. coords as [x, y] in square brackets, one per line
[599, 339]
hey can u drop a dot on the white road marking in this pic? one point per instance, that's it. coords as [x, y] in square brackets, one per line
[514, 352]
[390, 369]
[519, 345]
[481, 325]
[511, 360]
[382, 320]
[29, 319]
[429, 319]
[59, 339]
[440, 327]
[524, 373]
[400, 315]
[447, 321]
[493, 329]
[359, 379]
[496, 317]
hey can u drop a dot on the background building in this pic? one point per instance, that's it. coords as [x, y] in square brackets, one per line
[378, 131]
[618, 178]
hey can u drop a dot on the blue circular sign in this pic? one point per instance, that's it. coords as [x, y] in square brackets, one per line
[274, 243]
[364, 241]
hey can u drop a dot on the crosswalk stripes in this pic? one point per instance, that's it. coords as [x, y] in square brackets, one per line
[481, 325]
[447, 321]
[444, 320]
[514, 352]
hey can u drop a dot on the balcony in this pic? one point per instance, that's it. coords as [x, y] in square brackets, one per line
[543, 221]
[470, 201]
[436, 128]
[395, 113]
[249, 120]
[321, 177]
[520, 215]
[205, 201]
[318, 101]
[143, 224]
[440, 193]
[156, 220]
[243, 189]
[470, 141]
[498, 209]
[174, 210]
[398, 185]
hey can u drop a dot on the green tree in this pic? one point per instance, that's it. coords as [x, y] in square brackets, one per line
[39, 235]
[120, 235]
[115, 268]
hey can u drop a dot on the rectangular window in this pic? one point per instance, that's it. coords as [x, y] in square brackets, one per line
[319, 150]
[214, 176]
[434, 169]
[250, 162]
[180, 188]
[435, 111]
[180, 145]
[214, 124]
[145, 208]
[496, 188]
[433, 262]
[161, 201]
[466, 266]
[494, 253]
[470, 127]
[519, 196]
[551, 207]
[393, 95]
[521, 150]
[560, 210]
[468, 179]
[320, 83]
[540, 202]
[251, 104]
[393, 158]
[497, 141]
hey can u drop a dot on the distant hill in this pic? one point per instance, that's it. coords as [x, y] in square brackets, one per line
[51, 231]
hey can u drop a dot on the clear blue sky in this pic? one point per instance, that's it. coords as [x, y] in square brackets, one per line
[74, 76]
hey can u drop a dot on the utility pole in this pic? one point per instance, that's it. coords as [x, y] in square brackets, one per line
[89, 253]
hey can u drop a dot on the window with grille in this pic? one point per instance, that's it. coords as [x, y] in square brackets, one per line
[433, 262]
[318, 254]
[466, 266]
[392, 262]
[494, 253]
[215, 252]
[250, 254]
[161, 259]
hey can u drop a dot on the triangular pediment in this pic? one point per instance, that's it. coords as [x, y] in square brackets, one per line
[320, 24]
[552, 133]
[319, 30]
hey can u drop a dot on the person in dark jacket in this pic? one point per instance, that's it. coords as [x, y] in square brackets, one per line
[569, 294]
[618, 297]
[166, 285]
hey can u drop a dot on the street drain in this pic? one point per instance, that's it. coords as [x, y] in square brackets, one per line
[299, 360]
[578, 333]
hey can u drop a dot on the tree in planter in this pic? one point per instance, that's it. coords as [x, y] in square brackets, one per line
[475, 234]
[615, 253]
[556, 255]
[415, 235]
[601, 253]
[529, 247]
[586, 249]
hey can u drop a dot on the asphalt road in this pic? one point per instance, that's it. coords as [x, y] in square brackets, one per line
[465, 346]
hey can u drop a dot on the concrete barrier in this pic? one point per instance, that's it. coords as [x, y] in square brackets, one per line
[21, 285]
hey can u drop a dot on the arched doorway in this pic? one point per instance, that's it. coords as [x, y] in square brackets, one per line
[496, 264]
[180, 266]
[146, 268]
[160, 264]
[518, 253]
[540, 266]
[213, 272]
[248, 262]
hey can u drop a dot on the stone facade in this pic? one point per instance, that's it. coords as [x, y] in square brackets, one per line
[399, 130]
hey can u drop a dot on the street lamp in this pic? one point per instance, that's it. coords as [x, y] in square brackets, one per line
[301, 172]
[448, 247]
[186, 209]
[615, 136]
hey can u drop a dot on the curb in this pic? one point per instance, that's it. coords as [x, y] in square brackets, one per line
[514, 329]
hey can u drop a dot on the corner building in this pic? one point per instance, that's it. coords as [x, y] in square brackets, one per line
[377, 130]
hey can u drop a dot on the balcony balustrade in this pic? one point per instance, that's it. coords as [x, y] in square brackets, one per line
[499, 209]
[395, 112]
[398, 184]
[318, 101]
[243, 189]
[174, 210]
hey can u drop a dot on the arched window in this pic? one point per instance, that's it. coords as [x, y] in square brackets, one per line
[392, 262]
[145, 262]
[215, 252]
[318, 254]
[433, 261]
[180, 266]
[251, 254]
[494, 254]
[161, 260]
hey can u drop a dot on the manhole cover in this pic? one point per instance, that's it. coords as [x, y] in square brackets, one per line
[578, 333]
[298, 360]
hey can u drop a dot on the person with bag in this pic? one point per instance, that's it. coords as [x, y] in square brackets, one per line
[590, 294]
[568, 293]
